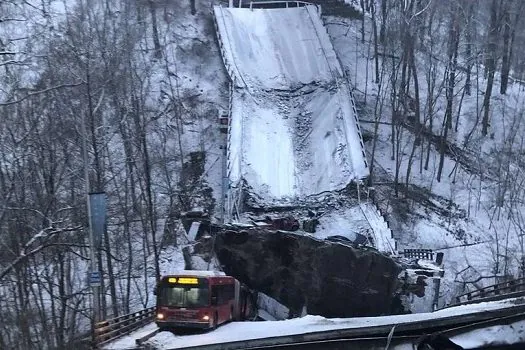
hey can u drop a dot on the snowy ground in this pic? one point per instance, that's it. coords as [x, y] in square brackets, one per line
[237, 331]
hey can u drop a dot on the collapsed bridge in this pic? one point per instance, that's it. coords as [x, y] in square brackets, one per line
[293, 131]
[294, 145]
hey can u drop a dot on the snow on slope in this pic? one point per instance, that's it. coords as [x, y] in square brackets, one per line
[293, 130]
[382, 233]
[472, 193]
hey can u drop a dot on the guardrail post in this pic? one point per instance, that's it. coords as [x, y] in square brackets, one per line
[512, 286]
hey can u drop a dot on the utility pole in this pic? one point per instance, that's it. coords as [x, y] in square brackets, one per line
[93, 271]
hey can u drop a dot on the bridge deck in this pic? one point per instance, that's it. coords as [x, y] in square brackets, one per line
[294, 132]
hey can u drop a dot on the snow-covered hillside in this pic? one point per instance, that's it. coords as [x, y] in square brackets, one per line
[148, 80]
[461, 215]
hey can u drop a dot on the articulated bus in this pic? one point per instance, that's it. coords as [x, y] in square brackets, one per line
[200, 299]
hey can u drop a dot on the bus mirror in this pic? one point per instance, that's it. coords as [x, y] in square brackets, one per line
[214, 300]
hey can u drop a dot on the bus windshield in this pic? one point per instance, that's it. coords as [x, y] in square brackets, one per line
[184, 296]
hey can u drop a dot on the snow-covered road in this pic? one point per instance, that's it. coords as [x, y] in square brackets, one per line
[276, 48]
[293, 130]
[238, 331]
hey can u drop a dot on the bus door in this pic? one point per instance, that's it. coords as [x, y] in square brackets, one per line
[222, 300]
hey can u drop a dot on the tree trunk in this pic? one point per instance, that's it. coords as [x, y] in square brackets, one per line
[363, 21]
[152, 216]
[395, 108]
[382, 30]
[156, 41]
[505, 60]
[112, 286]
[468, 52]
[399, 129]
[63, 301]
[417, 108]
[451, 81]
[378, 111]
[376, 50]
[490, 64]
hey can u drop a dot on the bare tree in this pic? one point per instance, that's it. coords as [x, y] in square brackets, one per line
[156, 41]
[510, 25]
[451, 83]
[469, 30]
[490, 61]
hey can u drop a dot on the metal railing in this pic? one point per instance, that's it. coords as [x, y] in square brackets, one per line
[280, 3]
[233, 191]
[427, 254]
[272, 3]
[112, 329]
[496, 291]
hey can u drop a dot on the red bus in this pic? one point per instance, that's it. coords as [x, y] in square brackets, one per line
[200, 299]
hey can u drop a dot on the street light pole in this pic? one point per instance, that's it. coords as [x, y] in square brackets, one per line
[93, 262]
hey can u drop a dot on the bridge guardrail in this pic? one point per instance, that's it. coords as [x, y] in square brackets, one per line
[496, 291]
[285, 3]
[427, 254]
[114, 328]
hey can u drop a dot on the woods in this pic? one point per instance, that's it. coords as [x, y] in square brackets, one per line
[450, 46]
[111, 64]
[454, 105]
[147, 80]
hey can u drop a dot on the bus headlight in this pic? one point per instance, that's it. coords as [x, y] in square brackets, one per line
[206, 318]
[160, 316]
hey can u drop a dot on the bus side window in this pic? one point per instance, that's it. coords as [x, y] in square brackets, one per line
[225, 293]
[215, 295]
[228, 293]
[222, 296]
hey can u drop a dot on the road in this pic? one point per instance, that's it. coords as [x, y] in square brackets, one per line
[500, 319]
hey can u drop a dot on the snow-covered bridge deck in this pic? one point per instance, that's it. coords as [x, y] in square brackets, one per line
[293, 131]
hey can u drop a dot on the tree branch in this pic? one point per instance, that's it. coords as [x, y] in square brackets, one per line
[40, 92]
[27, 251]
